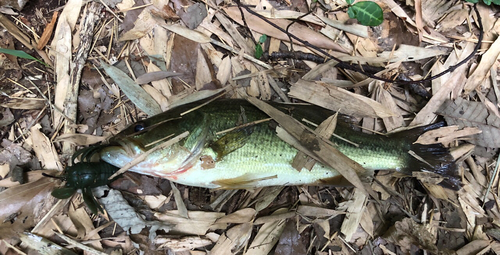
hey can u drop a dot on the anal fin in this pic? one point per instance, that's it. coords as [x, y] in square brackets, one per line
[246, 181]
[338, 181]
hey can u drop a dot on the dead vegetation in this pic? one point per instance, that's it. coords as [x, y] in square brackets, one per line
[98, 52]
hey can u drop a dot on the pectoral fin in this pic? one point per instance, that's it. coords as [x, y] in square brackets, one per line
[246, 181]
[230, 142]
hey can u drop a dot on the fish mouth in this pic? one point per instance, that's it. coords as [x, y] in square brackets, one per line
[164, 163]
[115, 155]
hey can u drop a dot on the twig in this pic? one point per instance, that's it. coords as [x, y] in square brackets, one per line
[493, 177]
[356, 68]
[86, 35]
[248, 57]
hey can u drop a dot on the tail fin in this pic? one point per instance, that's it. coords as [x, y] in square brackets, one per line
[437, 159]
[433, 158]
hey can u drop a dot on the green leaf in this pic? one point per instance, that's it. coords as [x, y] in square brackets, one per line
[262, 38]
[132, 90]
[349, 2]
[258, 51]
[20, 54]
[368, 13]
[487, 2]
[351, 13]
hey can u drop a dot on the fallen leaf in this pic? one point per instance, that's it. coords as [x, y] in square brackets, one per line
[480, 73]
[80, 139]
[234, 240]
[407, 232]
[296, 29]
[338, 99]
[124, 214]
[44, 149]
[267, 236]
[132, 90]
[465, 113]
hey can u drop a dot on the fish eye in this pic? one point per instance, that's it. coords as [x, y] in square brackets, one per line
[138, 127]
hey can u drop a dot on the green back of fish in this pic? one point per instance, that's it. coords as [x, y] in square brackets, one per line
[372, 152]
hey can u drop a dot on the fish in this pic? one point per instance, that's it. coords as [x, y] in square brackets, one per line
[232, 144]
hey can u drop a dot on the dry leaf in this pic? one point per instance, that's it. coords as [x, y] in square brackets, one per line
[411, 53]
[189, 34]
[80, 139]
[62, 46]
[182, 244]
[193, 15]
[296, 29]
[266, 197]
[337, 99]
[43, 245]
[124, 214]
[385, 98]
[132, 90]
[354, 214]
[470, 207]
[234, 240]
[474, 247]
[197, 223]
[481, 72]
[47, 32]
[24, 103]
[142, 26]
[291, 242]
[465, 113]
[241, 216]
[455, 17]
[267, 236]
[155, 76]
[318, 212]
[433, 10]
[19, 204]
[407, 232]
[446, 135]
[84, 226]
[44, 149]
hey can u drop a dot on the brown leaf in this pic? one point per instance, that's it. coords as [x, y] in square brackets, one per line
[23, 103]
[338, 99]
[155, 76]
[291, 241]
[19, 204]
[408, 232]
[489, 58]
[465, 113]
[446, 135]
[301, 31]
[80, 139]
[47, 32]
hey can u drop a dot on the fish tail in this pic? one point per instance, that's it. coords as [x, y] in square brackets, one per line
[433, 158]
[437, 159]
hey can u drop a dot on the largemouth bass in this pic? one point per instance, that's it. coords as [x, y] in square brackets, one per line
[233, 145]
